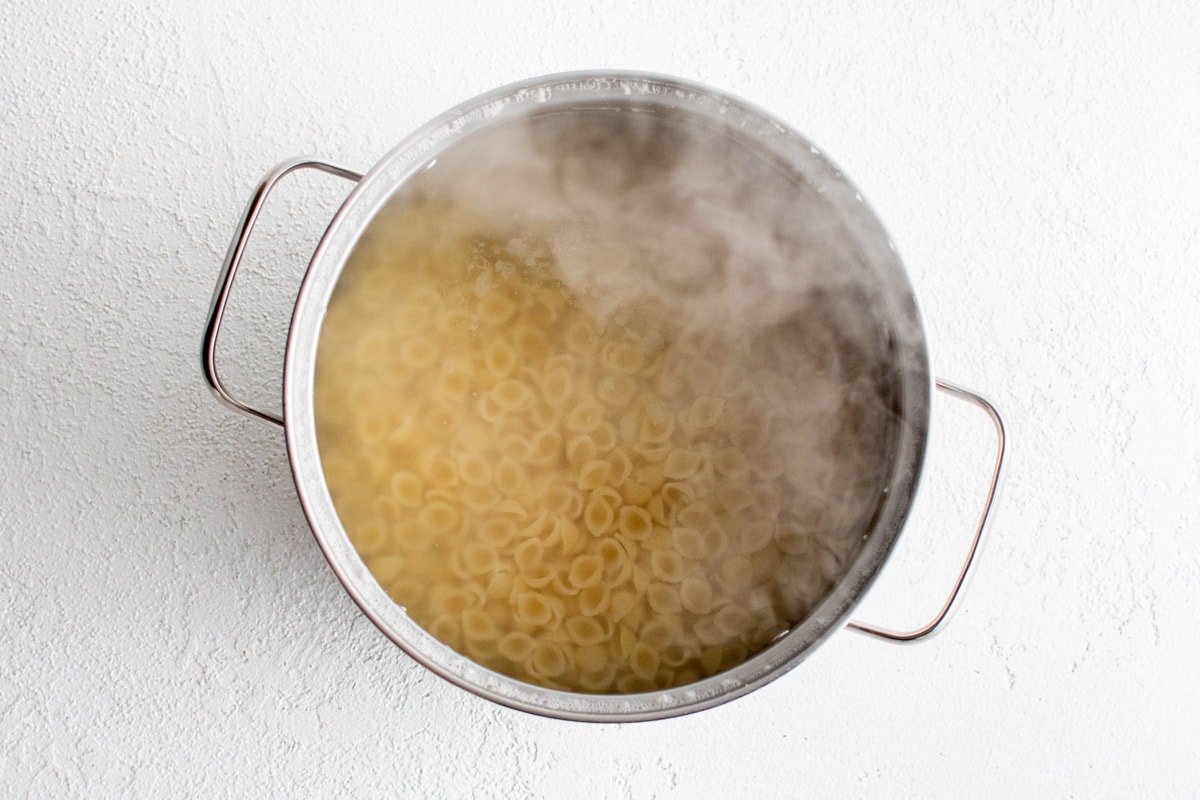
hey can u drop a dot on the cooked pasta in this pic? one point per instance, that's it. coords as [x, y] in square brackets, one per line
[574, 483]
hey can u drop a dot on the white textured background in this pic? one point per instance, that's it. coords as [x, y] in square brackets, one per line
[167, 624]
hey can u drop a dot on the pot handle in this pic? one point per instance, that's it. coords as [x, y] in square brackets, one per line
[936, 623]
[233, 260]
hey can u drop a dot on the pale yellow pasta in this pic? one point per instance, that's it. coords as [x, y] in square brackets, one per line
[635, 523]
[531, 343]
[655, 506]
[516, 446]
[634, 493]
[511, 394]
[419, 353]
[548, 660]
[733, 497]
[480, 559]
[387, 568]
[663, 631]
[667, 565]
[439, 516]
[733, 620]
[605, 437]
[474, 469]
[586, 570]
[452, 600]
[478, 626]
[614, 555]
[581, 449]
[441, 472]
[407, 488]
[625, 642]
[539, 576]
[592, 658]
[598, 515]
[697, 515]
[447, 629]
[372, 537]
[585, 630]
[706, 631]
[622, 604]
[768, 501]
[564, 501]
[567, 533]
[676, 654]
[547, 445]
[496, 309]
[622, 357]
[705, 412]
[756, 534]
[489, 409]
[501, 359]
[536, 527]
[556, 386]
[660, 539]
[509, 476]
[656, 424]
[653, 455]
[644, 660]
[599, 681]
[663, 598]
[593, 600]
[585, 417]
[736, 573]
[500, 585]
[768, 463]
[716, 542]
[695, 595]
[677, 495]
[406, 591]
[608, 495]
[688, 542]
[576, 485]
[580, 337]
[533, 608]
[563, 588]
[479, 498]
[642, 576]
[372, 423]
[622, 467]
[731, 462]
[481, 650]
[516, 646]
[528, 554]
[453, 323]
[792, 539]
[681, 464]
[452, 384]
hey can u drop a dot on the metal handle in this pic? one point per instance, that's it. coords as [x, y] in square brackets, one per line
[948, 606]
[233, 260]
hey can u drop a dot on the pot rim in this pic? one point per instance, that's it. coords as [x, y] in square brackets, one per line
[909, 349]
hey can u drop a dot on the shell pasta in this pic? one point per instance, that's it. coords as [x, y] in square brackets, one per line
[584, 492]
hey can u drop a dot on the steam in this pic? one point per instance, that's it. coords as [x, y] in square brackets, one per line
[637, 207]
[672, 230]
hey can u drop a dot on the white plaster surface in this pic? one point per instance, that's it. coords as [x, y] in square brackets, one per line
[168, 627]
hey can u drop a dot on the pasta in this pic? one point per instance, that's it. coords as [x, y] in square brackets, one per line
[585, 491]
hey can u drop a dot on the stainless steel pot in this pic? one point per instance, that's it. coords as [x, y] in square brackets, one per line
[898, 308]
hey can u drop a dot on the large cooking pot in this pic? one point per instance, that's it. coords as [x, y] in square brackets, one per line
[895, 307]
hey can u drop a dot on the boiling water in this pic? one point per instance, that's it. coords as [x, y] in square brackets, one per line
[600, 399]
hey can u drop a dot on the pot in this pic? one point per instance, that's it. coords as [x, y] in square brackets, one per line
[856, 229]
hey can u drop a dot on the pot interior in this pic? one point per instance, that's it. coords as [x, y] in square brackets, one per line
[737, 353]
